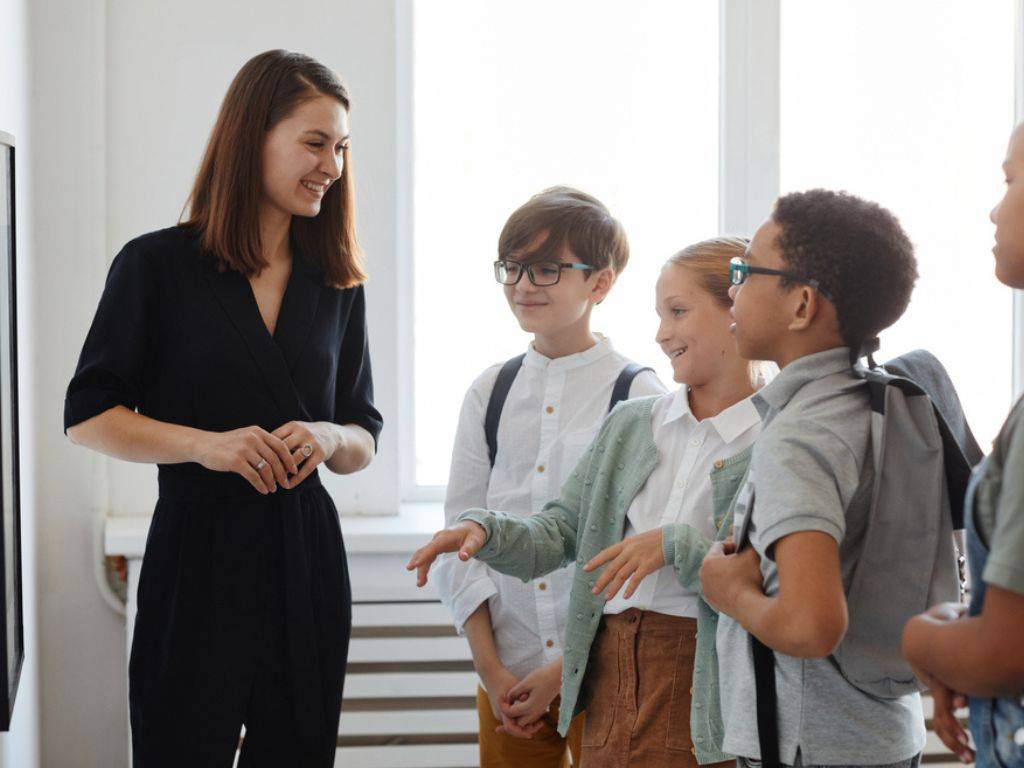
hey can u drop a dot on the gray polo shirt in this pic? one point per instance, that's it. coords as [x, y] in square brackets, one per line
[811, 470]
[999, 506]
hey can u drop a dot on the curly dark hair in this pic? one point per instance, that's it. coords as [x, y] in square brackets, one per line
[856, 250]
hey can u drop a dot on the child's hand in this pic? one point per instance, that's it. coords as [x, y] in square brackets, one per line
[638, 556]
[466, 538]
[916, 641]
[498, 682]
[531, 697]
[724, 576]
[947, 726]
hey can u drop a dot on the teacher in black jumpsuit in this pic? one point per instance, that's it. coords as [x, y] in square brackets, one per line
[231, 350]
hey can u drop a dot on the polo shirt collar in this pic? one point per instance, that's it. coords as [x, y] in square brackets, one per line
[791, 379]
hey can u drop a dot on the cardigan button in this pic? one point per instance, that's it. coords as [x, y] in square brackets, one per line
[719, 464]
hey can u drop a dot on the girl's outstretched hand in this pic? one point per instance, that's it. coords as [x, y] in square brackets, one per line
[466, 538]
[634, 558]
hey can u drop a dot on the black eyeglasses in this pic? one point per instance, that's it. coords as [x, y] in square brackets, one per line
[739, 271]
[541, 274]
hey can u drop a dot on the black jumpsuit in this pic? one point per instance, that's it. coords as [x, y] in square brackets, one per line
[244, 606]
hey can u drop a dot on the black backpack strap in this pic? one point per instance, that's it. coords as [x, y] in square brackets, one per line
[765, 695]
[620, 391]
[957, 466]
[767, 703]
[499, 394]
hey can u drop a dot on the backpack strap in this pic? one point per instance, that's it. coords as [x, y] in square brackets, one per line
[496, 403]
[767, 703]
[620, 391]
[765, 695]
[958, 468]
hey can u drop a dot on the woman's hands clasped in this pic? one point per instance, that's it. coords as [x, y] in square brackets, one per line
[284, 457]
[257, 455]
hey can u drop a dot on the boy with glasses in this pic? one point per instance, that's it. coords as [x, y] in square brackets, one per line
[821, 278]
[523, 427]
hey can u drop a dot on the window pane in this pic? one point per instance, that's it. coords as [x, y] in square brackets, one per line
[911, 104]
[620, 100]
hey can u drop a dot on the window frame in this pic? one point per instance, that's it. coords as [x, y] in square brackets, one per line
[749, 170]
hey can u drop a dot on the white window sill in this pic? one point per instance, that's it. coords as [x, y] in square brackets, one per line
[403, 533]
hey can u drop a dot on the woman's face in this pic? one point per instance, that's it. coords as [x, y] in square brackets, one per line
[303, 155]
[1008, 216]
[693, 330]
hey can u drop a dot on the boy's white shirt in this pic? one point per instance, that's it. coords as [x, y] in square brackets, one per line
[679, 489]
[553, 411]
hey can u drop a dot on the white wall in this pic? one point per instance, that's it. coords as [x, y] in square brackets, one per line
[20, 747]
[81, 649]
[123, 96]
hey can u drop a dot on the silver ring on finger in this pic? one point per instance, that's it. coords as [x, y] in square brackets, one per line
[262, 463]
[307, 450]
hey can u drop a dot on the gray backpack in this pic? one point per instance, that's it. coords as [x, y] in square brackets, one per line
[910, 559]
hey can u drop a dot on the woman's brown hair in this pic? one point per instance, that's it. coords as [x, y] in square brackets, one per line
[223, 208]
[709, 261]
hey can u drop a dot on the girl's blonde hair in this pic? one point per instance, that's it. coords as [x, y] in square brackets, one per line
[709, 261]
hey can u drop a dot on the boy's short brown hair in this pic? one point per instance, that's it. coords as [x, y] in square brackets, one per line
[570, 218]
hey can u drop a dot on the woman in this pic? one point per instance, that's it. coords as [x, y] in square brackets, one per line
[231, 351]
[644, 505]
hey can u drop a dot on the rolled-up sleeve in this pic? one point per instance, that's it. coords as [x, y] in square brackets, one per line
[111, 368]
[464, 586]
[805, 476]
[354, 394]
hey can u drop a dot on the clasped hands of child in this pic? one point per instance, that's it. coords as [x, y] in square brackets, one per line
[724, 574]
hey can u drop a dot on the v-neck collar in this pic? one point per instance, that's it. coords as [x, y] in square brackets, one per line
[298, 308]
[277, 355]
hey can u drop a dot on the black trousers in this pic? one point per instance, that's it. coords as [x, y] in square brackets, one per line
[244, 617]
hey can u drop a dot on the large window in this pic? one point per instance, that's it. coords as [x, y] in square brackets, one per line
[618, 99]
[906, 103]
[911, 104]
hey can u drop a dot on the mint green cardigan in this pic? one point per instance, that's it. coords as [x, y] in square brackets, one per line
[589, 516]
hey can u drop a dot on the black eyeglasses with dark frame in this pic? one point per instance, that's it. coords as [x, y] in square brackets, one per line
[739, 271]
[542, 274]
